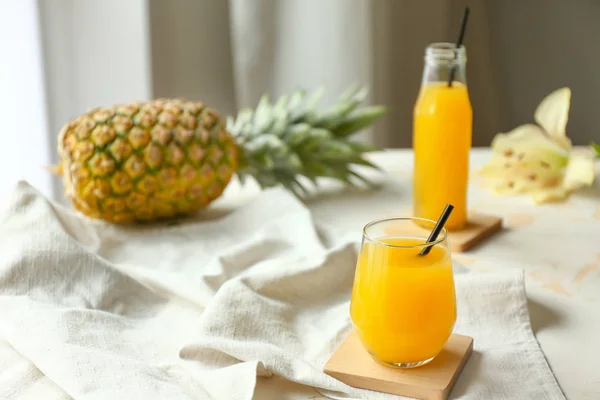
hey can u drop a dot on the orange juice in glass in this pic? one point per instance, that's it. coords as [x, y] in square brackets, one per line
[442, 130]
[403, 305]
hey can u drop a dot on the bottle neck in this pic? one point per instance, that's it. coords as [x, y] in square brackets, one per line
[441, 59]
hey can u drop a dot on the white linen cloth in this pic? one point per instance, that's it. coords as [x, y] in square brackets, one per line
[93, 311]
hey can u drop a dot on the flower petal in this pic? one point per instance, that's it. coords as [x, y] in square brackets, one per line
[579, 172]
[552, 114]
[524, 160]
[549, 195]
[529, 142]
[507, 178]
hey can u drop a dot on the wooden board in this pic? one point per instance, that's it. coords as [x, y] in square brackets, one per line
[479, 227]
[352, 365]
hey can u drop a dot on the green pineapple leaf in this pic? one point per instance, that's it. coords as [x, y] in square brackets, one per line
[361, 178]
[350, 91]
[596, 148]
[311, 103]
[358, 120]
[282, 142]
[363, 147]
[366, 163]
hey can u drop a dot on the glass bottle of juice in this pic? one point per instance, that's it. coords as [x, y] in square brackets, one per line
[442, 130]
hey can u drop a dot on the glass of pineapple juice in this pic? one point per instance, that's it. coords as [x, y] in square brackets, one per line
[403, 305]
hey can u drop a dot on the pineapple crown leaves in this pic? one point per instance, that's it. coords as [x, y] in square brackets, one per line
[292, 138]
[596, 148]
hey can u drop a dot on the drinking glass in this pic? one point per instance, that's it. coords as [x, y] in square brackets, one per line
[403, 305]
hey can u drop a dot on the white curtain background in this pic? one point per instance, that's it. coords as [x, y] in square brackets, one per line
[284, 45]
[63, 57]
[25, 145]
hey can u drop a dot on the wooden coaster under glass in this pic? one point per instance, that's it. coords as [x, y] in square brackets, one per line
[352, 365]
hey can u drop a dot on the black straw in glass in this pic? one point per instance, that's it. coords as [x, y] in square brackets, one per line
[437, 228]
[461, 36]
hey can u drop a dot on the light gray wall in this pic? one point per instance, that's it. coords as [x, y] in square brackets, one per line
[542, 45]
[518, 52]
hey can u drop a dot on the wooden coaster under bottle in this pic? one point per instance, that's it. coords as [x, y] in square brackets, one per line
[479, 227]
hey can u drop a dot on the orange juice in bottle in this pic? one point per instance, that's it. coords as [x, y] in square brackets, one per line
[442, 130]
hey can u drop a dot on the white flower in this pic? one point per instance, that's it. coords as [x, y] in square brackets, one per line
[539, 159]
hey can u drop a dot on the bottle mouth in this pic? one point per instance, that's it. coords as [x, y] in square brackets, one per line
[445, 52]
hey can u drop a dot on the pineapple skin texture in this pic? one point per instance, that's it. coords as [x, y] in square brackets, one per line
[146, 161]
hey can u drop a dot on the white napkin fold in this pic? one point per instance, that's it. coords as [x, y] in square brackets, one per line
[93, 311]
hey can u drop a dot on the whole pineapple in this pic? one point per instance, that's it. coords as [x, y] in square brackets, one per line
[168, 157]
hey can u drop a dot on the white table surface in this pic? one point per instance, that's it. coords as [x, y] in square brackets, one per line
[557, 244]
